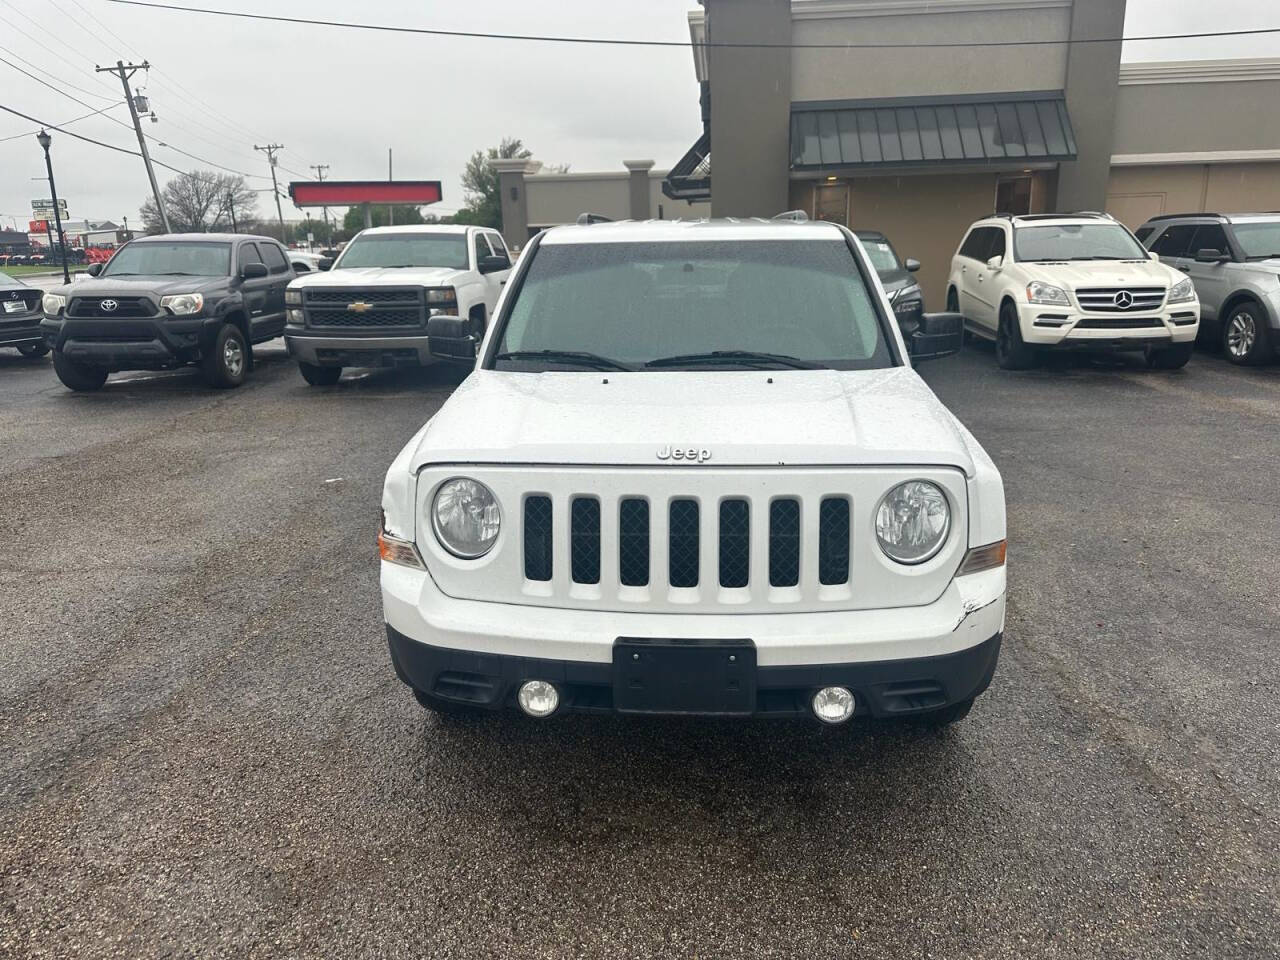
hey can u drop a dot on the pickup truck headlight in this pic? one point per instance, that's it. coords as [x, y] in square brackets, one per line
[53, 303]
[293, 298]
[912, 521]
[1038, 292]
[1182, 291]
[442, 300]
[465, 517]
[183, 304]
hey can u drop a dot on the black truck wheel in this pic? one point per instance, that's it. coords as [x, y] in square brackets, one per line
[33, 349]
[227, 362]
[319, 376]
[78, 376]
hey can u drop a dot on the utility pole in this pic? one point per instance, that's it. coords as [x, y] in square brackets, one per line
[391, 211]
[124, 71]
[270, 150]
[44, 140]
[320, 169]
[231, 205]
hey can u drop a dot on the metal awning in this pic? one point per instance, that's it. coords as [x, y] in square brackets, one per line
[873, 134]
[690, 178]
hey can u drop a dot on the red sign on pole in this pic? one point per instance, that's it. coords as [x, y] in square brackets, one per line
[37, 226]
[350, 193]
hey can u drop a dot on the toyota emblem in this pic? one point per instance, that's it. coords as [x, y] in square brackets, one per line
[109, 306]
[1123, 300]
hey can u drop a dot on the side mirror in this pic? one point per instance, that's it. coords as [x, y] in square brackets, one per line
[493, 263]
[1153, 255]
[94, 269]
[995, 263]
[912, 264]
[451, 339]
[325, 263]
[253, 271]
[1210, 255]
[938, 335]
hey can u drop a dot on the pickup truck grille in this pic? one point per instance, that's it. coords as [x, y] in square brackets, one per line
[691, 539]
[347, 307]
[1120, 299]
[125, 307]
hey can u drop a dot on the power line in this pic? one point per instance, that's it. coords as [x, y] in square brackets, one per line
[56, 90]
[625, 42]
[31, 133]
[66, 83]
[53, 126]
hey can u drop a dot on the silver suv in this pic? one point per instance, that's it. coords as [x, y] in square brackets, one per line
[1234, 261]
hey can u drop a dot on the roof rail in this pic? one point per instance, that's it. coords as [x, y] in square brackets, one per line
[1000, 215]
[585, 219]
[796, 216]
[1183, 216]
[1093, 213]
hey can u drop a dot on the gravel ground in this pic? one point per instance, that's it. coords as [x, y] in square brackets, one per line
[206, 753]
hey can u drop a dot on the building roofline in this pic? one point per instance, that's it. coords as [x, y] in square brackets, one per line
[1199, 71]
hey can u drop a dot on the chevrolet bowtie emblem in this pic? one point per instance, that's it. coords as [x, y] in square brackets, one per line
[359, 306]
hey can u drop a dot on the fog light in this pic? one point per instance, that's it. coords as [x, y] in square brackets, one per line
[538, 698]
[833, 704]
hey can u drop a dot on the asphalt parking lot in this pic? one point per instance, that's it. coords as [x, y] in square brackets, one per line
[206, 752]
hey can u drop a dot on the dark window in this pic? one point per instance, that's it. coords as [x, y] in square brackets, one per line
[273, 256]
[1143, 232]
[482, 248]
[500, 246]
[1175, 241]
[300, 267]
[1210, 236]
[978, 240]
[997, 247]
[249, 254]
[1013, 195]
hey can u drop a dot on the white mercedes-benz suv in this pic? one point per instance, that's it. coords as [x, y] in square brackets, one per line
[694, 472]
[1070, 281]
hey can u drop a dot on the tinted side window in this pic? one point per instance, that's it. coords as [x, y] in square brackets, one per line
[1143, 232]
[1175, 241]
[274, 258]
[482, 248]
[499, 247]
[997, 248]
[249, 254]
[1210, 236]
[975, 243]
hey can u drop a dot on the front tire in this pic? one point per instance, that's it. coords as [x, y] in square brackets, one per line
[227, 363]
[319, 376]
[78, 376]
[1012, 353]
[33, 349]
[1170, 358]
[1245, 338]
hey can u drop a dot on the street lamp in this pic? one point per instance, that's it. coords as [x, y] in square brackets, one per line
[44, 139]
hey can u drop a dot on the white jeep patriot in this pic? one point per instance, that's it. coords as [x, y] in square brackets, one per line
[694, 472]
[369, 307]
[1070, 281]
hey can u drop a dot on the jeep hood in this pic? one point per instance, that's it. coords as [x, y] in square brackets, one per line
[380, 277]
[1108, 273]
[745, 418]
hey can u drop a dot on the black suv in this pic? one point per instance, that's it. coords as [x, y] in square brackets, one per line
[20, 317]
[165, 301]
[896, 276]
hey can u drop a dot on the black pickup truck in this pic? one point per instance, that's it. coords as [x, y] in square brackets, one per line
[169, 300]
[20, 317]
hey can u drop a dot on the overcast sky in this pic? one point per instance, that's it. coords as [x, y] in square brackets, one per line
[343, 97]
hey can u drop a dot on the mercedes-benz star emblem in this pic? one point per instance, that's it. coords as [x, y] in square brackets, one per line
[108, 306]
[1124, 300]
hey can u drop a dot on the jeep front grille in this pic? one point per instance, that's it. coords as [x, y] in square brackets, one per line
[1103, 299]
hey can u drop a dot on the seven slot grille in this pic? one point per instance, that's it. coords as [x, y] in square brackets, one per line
[688, 558]
[1113, 299]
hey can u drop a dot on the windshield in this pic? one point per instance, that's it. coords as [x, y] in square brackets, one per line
[158, 258]
[635, 303]
[882, 256]
[406, 250]
[1259, 240]
[1076, 241]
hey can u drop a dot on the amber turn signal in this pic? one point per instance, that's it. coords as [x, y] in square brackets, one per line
[983, 558]
[394, 550]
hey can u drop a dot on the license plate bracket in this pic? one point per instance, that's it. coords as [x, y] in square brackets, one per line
[707, 677]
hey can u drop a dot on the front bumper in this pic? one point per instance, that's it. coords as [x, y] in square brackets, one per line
[18, 331]
[1070, 328]
[896, 661]
[145, 343]
[374, 350]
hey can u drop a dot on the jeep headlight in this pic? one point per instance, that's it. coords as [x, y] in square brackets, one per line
[293, 298]
[183, 304]
[465, 517]
[912, 521]
[1038, 292]
[53, 303]
[1182, 291]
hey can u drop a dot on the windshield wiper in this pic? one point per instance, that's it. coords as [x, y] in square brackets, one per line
[1264, 256]
[751, 357]
[565, 356]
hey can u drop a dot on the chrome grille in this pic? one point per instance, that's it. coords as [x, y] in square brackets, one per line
[1120, 299]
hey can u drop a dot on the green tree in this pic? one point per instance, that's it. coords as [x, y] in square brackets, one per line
[480, 183]
[354, 218]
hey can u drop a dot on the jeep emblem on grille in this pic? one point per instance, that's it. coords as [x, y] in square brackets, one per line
[1123, 300]
[684, 453]
[359, 306]
[108, 306]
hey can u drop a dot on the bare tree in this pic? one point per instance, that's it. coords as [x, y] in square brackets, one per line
[203, 201]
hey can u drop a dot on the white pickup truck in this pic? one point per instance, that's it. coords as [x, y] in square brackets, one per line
[369, 307]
